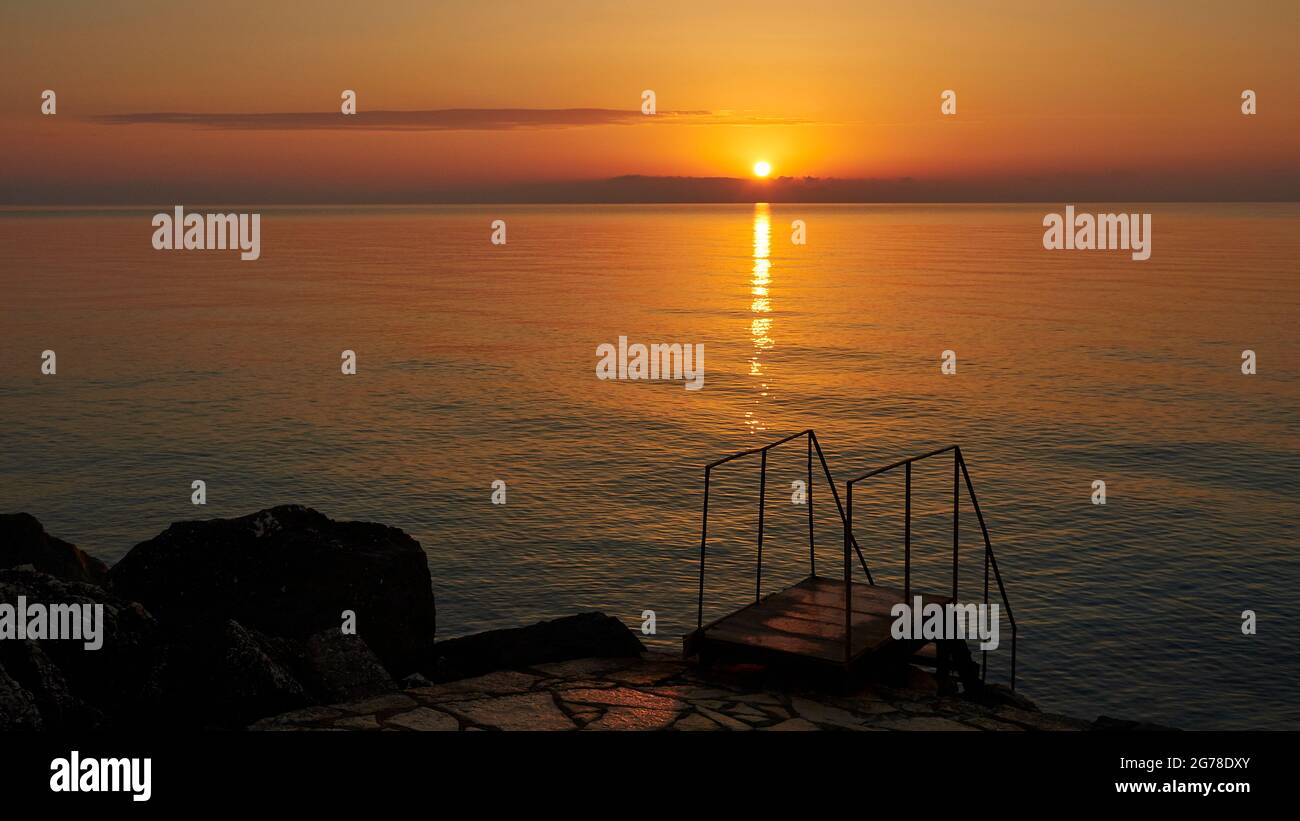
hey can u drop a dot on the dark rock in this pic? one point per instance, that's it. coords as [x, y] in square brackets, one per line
[59, 707]
[1122, 725]
[18, 709]
[993, 695]
[414, 680]
[23, 541]
[586, 635]
[73, 687]
[248, 682]
[219, 676]
[342, 668]
[289, 571]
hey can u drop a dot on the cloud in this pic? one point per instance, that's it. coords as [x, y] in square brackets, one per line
[445, 119]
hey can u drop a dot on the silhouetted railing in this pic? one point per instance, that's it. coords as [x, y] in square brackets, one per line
[959, 472]
[813, 445]
[851, 545]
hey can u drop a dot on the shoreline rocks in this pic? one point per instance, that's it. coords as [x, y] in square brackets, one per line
[23, 541]
[214, 624]
[586, 635]
[227, 623]
[289, 571]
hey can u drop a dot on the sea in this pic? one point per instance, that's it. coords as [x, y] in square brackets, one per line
[476, 368]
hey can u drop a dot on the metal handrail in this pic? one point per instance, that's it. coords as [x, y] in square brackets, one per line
[990, 559]
[959, 470]
[813, 444]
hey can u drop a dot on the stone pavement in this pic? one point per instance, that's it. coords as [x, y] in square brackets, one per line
[658, 692]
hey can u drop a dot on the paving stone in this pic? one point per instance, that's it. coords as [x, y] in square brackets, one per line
[657, 692]
[825, 713]
[926, 723]
[726, 721]
[690, 692]
[378, 704]
[696, 721]
[499, 683]
[633, 718]
[622, 696]
[1036, 720]
[794, 724]
[647, 673]
[526, 711]
[424, 720]
[992, 724]
[579, 684]
[310, 715]
[584, 667]
[755, 698]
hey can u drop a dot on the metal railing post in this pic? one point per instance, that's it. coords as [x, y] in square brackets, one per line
[907, 534]
[984, 654]
[830, 482]
[956, 489]
[848, 578]
[704, 535]
[812, 551]
[762, 497]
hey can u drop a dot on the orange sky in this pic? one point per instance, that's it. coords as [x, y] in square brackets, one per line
[1103, 88]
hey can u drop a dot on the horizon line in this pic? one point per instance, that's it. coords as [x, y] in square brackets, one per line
[133, 206]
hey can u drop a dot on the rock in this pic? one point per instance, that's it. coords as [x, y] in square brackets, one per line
[1121, 725]
[289, 571]
[77, 688]
[921, 681]
[232, 674]
[342, 668]
[587, 635]
[249, 683]
[925, 724]
[18, 710]
[413, 681]
[993, 695]
[23, 541]
[59, 707]
[381, 704]
[308, 716]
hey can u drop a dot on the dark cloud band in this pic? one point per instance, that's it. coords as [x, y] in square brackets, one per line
[446, 119]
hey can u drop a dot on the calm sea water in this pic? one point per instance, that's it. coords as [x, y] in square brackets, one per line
[477, 363]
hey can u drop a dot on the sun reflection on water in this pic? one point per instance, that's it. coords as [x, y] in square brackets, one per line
[760, 326]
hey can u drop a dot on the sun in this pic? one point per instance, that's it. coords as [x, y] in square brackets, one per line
[762, 168]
